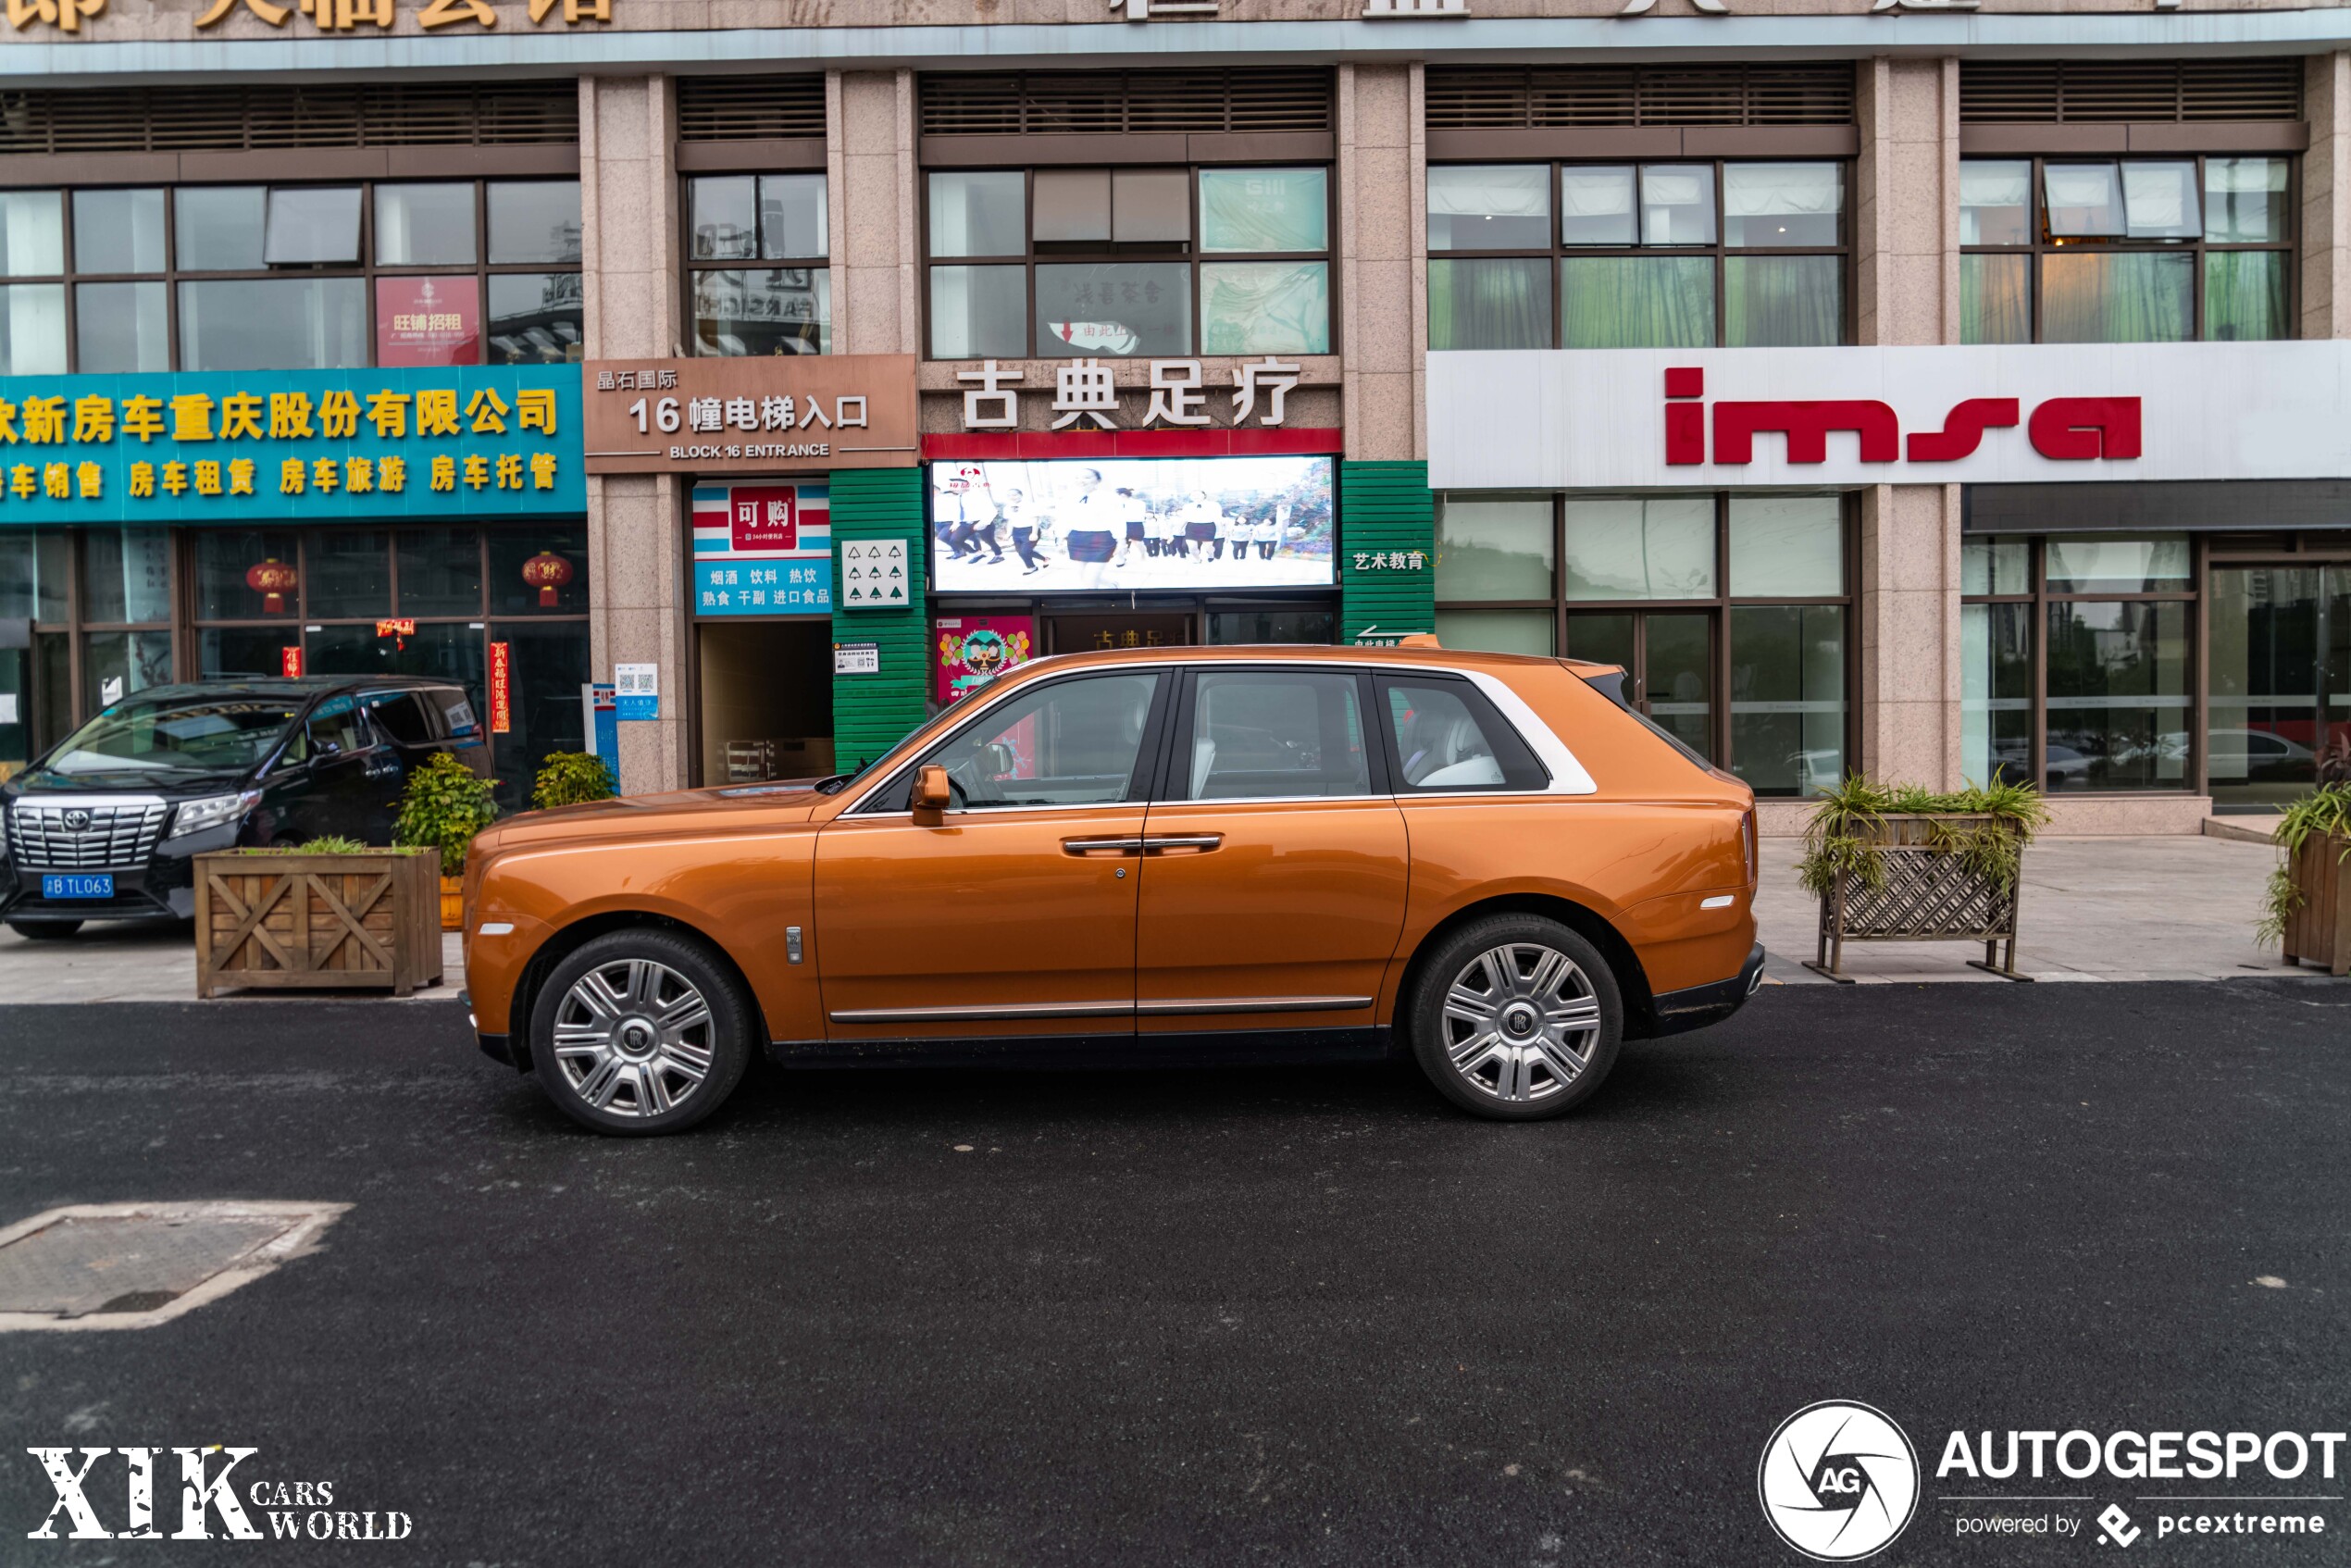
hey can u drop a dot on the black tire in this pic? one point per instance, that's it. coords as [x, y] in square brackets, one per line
[1495, 1085]
[637, 1078]
[44, 930]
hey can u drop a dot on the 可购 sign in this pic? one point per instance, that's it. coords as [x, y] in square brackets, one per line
[749, 414]
[290, 445]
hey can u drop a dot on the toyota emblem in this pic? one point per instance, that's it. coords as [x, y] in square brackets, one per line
[77, 819]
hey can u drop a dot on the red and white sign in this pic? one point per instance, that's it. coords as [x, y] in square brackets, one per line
[763, 517]
[502, 688]
[428, 321]
[1657, 418]
[289, 662]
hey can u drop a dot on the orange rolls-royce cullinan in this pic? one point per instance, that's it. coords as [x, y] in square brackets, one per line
[1236, 854]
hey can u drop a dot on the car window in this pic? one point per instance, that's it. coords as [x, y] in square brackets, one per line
[1448, 736]
[334, 729]
[1068, 742]
[1272, 735]
[400, 717]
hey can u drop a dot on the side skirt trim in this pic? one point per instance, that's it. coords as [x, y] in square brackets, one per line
[1205, 1048]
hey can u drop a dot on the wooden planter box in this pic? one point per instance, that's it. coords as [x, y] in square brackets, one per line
[2320, 929]
[1928, 897]
[368, 921]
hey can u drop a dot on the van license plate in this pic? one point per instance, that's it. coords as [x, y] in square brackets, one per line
[77, 887]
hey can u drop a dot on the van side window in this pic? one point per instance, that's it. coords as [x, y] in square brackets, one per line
[337, 729]
[401, 717]
[1449, 737]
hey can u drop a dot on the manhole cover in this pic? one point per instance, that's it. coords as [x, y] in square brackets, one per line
[121, 1265]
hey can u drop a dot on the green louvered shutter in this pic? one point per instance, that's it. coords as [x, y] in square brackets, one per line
[870, 712]
[1386, 509]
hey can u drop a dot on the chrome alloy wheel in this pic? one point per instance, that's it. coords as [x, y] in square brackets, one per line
[633, 1038]
[1521, 1022]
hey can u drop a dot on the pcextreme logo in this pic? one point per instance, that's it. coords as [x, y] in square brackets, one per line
[1838, 1481]
[293, 1510]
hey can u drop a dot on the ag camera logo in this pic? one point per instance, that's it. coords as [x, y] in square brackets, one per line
[1840, 1481]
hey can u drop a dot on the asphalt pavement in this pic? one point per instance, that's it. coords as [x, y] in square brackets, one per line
[1201, 1317]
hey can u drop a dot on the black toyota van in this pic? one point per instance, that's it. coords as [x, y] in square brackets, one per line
[104, 825]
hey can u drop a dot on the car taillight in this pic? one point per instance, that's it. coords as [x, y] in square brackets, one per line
[1747, 840]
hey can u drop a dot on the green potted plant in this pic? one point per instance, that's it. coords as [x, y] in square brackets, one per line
[444, 805]
[2307, 906]
[1901, 863]
[571, 778]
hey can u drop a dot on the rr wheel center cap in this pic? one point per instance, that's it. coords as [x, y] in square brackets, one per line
[636, 1037]
[1520, 1020]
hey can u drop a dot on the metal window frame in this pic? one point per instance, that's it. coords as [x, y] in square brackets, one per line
[693, 269]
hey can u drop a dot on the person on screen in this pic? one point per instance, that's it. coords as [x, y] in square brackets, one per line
[1134, 514]
[1160, 534]
[960, 510]
[1024, 525]
[1091, 527]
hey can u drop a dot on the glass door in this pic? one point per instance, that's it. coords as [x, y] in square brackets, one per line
[1669, 662]
[2281, 679]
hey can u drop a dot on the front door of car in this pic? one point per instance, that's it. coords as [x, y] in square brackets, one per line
[1275, 863]
[323, 784]
[1013, 911]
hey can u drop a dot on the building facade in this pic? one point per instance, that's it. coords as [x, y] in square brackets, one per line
[1929, 389]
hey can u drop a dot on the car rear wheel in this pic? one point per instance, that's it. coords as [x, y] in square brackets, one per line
[44, 930]
[641, 1032]
[1516, 1018]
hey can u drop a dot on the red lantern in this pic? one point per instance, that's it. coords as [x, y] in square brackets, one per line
[273, 579]
[546, 572]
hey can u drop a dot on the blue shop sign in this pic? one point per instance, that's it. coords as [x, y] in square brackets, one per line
[306, 446]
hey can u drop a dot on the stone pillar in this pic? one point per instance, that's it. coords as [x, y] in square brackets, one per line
[1906, 203]
[1909, 634]
[629, 196]
[1906, 268]
[1378, 250]
[2326, 198]
[874, 185]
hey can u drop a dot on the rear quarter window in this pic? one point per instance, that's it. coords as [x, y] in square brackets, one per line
[1445, 737]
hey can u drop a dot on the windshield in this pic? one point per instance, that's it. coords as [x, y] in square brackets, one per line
[175, 735]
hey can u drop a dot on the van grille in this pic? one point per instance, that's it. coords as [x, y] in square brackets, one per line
[119, 837]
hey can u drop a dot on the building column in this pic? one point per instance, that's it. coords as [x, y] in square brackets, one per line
[1377, 245]
[873, 185]
[1905, 269]
[1911, 679]
[2326, 198]
[637, 571]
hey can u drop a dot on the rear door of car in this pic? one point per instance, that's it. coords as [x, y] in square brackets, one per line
[1275, 859]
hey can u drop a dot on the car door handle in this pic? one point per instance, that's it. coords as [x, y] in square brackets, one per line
[1099, 847]
[1186, 844]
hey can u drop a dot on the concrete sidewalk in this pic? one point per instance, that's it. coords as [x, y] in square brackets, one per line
[109, 962]
[2173, 908]
[2095, 909]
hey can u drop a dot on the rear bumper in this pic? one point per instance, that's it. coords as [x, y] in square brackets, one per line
[1680, 1012]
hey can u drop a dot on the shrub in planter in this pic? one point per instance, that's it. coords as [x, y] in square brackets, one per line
[443, 807]
[2307, 907]
[571, 779]
[1899, 862]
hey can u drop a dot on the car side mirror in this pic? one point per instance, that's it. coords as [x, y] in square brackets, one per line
[931, 795]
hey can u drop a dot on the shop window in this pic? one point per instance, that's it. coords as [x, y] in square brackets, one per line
[2101, 625]
[1128, 262]
[1732, 615]
[1640, 255]
[300, 277]
[765, 309]
[2152, 250]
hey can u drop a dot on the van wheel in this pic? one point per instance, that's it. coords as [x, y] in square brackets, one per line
[1516, 1018]
[641, 1032]
[44, 930]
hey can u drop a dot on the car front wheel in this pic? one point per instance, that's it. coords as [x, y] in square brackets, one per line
[641, 1032]
[1516, 1018]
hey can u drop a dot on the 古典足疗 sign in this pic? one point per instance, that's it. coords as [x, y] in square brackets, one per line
[756, 414]
[290, 445]
[763, 549]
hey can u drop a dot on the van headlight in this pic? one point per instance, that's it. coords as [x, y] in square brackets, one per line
[194, 816]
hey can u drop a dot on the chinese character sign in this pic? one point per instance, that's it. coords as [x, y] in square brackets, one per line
[465, 441]
[763, 549]
[426, 321]
[974, 650]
